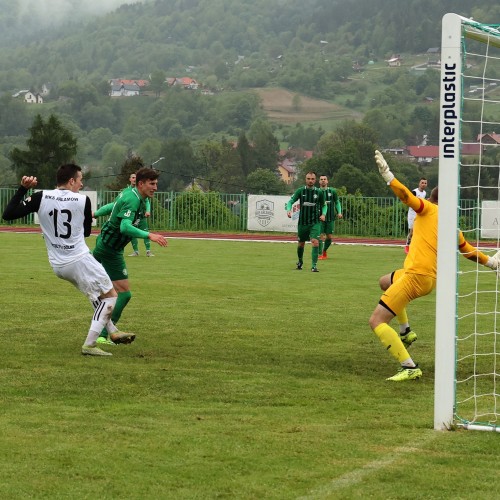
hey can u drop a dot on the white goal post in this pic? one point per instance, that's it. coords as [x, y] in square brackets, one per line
[467, 377]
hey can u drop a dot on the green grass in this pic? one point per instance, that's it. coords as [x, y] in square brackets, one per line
[248, 380]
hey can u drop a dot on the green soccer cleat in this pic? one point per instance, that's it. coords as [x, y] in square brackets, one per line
[122, 337]
[408, 338]
[406, 374]
[89, 350]
[103, 340]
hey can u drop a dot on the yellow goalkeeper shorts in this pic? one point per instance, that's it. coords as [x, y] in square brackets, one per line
[405, 288]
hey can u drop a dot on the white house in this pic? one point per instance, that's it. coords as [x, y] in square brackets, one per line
[32, 98]
[394, 61]
[20, 92]
[124, 89]
[46, 88]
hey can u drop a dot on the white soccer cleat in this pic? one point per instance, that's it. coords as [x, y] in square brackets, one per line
[89, 350]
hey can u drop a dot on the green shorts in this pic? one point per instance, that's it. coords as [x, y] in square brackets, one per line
[327, 227]
[112, 260]
[306, 232]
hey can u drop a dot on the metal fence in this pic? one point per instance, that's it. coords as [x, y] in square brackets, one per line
[216, 212]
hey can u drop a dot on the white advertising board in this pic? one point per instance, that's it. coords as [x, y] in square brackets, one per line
[490, 220]
[267, 213]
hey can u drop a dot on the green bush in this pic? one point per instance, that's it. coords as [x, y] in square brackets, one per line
[195, 210]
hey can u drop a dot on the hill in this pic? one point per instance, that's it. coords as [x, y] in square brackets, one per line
[280, 107]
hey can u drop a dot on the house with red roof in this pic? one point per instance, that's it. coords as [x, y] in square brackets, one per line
[423, 154]
[288, 164]
[471, 149]
[121, 87]
[491, 138]
[186, 82]
[288, 170]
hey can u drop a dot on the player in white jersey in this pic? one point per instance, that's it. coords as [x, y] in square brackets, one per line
[419, 193]
[65, 218]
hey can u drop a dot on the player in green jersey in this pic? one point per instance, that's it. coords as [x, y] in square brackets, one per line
[334, 212]
[142, 225]
[128, 210]
[312, 212]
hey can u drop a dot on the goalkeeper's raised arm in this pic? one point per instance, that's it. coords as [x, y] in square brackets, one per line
[401, 191]
[418, 204]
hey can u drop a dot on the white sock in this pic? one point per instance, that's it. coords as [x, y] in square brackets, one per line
[102, 314]
[111, 327]
[408, 363]
[91, 338]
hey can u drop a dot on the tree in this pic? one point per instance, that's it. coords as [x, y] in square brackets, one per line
[49, 146]
[263, 181]
[132, 164]
[346, 155]
[182, 165]
[158, 82]
[265, 145]
[296, 103]
[14, 117]
[246, 154]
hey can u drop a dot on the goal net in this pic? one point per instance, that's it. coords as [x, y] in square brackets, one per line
[467, 374]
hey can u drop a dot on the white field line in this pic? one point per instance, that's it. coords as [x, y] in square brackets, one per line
[356, 476]
[255, 240]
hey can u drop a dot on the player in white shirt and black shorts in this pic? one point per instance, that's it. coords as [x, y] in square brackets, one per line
[65, 218]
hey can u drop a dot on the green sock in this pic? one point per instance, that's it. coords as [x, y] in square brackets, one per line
[321, 245]
[300, 253]
[147, 244]
[315, 254]
[328, 242]
[135, 245]
[122, 300]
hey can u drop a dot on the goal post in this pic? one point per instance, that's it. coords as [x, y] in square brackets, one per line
[466, 373]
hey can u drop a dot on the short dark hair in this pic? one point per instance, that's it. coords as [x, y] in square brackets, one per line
[67, 172]
[434, 197]
[312, 172]
[146, 173]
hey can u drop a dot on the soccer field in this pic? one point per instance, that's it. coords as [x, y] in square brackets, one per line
[247, 380]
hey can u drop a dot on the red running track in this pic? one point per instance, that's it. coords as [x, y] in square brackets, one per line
[236, 236]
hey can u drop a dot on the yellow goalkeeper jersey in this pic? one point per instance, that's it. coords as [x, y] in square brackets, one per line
[422, 257]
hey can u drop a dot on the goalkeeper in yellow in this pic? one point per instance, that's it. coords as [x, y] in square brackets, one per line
[418, 276]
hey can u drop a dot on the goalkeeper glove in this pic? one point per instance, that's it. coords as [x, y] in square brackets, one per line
[383, 168]
[494, 261]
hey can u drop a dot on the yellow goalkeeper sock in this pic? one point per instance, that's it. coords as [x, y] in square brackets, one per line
[391, 341]
[402, 318]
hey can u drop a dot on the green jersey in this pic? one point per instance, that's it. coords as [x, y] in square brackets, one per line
[332, 203]
[147, 201]
[128, 206]
[312, 204]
